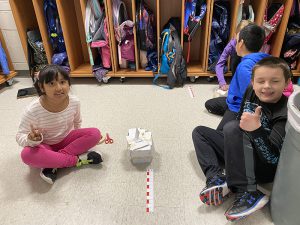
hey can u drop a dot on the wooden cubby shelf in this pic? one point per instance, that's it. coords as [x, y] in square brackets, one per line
[29, 14]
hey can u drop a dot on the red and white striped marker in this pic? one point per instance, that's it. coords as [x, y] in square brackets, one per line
[150, 192]
[191, 92]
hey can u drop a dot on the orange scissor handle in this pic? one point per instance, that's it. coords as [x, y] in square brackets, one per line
[108, 140]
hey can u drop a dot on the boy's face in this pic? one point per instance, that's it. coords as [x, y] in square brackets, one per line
[268, 84]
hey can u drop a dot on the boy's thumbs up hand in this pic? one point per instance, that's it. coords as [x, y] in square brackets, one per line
[251, 121]
[258, 111]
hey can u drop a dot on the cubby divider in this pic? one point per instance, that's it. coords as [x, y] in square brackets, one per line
[72, 23]
[40, 16]
[25, 19]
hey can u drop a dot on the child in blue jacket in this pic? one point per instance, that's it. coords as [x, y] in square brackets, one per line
[249, 41]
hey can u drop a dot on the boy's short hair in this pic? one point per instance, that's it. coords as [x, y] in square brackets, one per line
[253, 37]
[274, 62]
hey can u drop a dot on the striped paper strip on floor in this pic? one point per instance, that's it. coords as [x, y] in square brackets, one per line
[191, 92]
[150, 191]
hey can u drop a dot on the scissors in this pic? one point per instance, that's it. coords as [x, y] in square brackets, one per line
[108, 140]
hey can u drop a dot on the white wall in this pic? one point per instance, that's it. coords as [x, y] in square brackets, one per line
[11, 36]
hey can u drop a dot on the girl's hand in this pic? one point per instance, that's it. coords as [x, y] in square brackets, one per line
[224, 87]
[251, 121]
[35, 134]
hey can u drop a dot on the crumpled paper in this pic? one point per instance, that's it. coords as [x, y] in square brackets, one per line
[138, 138]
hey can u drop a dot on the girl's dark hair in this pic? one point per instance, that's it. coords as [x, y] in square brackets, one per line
[48, 74]
[274, 62]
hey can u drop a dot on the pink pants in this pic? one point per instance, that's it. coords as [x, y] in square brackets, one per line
[63, 154]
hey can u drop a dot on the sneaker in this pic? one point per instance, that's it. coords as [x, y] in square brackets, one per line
[245, 204]
[215, 191]
[10, 82]
[211, 78]
[89, 158]
[49, 175]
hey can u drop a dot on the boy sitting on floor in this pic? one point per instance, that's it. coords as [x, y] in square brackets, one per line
[248, 146]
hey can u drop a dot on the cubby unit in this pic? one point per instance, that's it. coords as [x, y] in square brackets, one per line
[232, 7]
[198, 46]
[25, 19]
[165, 11]
[29, 14]
[39, 12]
[81, 25]
[168, 10]
[118, 71]
[278, 37]
[5, 78]
[259, 7]
[71, 20]
[153, 7]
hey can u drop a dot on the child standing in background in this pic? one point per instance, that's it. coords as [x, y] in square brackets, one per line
[50, 129]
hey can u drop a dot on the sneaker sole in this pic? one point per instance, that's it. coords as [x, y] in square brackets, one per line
[214, 195]
[231, 219]
[47, 179]
[259, 205]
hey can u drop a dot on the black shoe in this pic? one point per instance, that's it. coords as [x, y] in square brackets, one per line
[49, 175]
[215, 191]
[90, 158]
[211, 78]
[245, 204]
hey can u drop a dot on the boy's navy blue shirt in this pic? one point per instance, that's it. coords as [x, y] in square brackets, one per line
[269, 137]
[241, 80]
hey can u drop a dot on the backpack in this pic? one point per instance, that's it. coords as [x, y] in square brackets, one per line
[145, 27]
[193, 14]
[37, 58]
[96, 29]
[53, 26]
[3, 61]
[172, 60]
[123, 28]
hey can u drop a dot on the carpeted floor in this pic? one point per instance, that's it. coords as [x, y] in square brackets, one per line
[115, 192]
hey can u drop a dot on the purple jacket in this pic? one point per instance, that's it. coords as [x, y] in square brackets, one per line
[228, 51]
